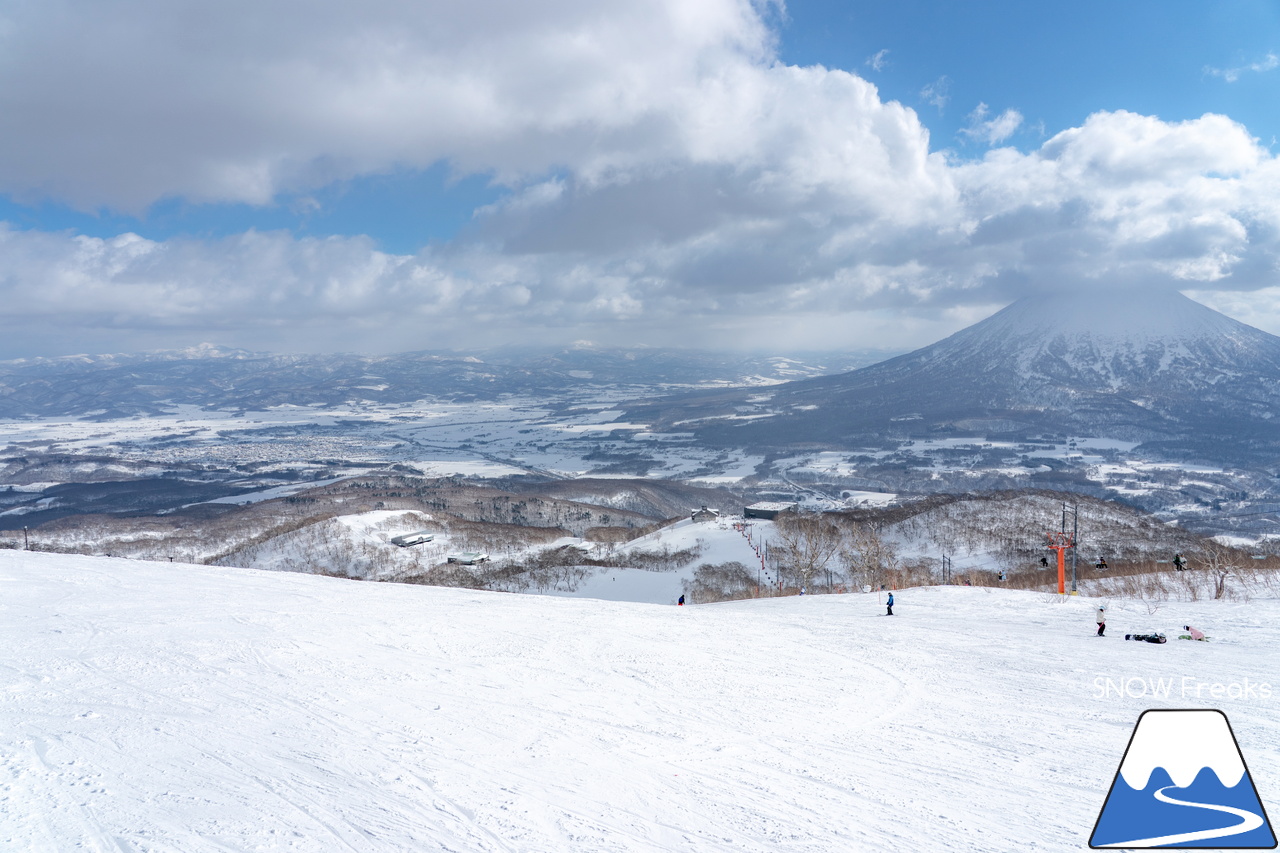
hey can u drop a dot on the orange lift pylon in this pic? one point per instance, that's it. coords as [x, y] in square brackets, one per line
[1060, 542]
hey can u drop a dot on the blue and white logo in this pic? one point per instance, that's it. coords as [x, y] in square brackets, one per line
[1183, 783]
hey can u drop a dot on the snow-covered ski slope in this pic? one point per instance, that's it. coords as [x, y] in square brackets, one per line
[165, 707]
[717, 542]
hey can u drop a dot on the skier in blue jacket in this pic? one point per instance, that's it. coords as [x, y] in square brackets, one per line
[890, 603]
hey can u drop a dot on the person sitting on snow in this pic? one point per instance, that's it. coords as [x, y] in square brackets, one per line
[1196, 633]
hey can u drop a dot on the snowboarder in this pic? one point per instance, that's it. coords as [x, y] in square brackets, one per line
[1147, 638]
[1102, 620]
[1194, 633]
[1001, 578]
[1044, 562]
[681, 601]
[890, 604]
[1178, 562]
[1101, 565]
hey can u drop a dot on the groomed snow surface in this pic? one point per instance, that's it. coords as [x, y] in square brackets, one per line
[166, 707]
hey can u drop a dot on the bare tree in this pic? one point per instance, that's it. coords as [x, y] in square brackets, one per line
[720, 582]
[807, 543]
[869, 559]
[1219, 562]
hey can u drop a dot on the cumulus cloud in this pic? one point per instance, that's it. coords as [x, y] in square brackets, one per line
[121, 104]
[275, 291]
[714, 253]
[669, 182]
[1130, 200]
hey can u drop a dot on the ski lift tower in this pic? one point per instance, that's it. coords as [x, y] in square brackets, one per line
[1060, 542]
[1075, 537]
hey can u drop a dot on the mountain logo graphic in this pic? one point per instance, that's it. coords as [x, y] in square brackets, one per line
[1183, 784]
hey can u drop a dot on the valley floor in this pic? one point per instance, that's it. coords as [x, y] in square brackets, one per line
[164, 707]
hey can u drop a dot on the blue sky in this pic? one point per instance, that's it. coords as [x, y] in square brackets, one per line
[403, 210]
[1054, 62]
[608, 170]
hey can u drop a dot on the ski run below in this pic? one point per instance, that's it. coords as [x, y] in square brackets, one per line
[165, 707]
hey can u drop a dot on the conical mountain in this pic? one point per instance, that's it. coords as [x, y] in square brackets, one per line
[1152, 367]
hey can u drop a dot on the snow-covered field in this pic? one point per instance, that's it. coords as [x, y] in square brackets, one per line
[438, 438]
[167, 707]
[718, 542]
[527, 435]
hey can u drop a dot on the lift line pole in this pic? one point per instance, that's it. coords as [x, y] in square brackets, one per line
[1075, 537]
[1060, 542]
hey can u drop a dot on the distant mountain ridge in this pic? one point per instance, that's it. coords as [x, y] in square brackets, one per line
[210, 377]
[1151, 367]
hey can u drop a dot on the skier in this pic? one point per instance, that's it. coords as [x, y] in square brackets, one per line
[1044, 562]
[890, 604]
[1102, 620]
[681, 601]
[1196, 633]
[1178, 562]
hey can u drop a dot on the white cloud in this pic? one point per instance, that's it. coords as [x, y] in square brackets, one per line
[879, 60]
[992, 131]
[1270, 62]
[937, 93]
[712, 252]
[670, 183]
[121, 104]
[1130, 200]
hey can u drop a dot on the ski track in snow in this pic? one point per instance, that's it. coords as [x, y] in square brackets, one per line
[162, 707]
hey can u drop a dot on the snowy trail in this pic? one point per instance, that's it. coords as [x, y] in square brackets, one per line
[162, 707]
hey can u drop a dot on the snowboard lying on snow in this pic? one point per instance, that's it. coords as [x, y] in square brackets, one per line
[1147, 638]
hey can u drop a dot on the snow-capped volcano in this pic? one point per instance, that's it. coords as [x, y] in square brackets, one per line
[1142, 366]
[1103, 342]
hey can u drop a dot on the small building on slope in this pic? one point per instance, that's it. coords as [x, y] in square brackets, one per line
[705, 515]
[769, 510]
